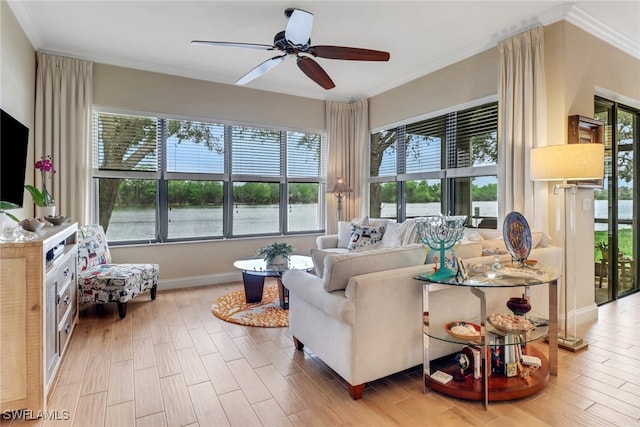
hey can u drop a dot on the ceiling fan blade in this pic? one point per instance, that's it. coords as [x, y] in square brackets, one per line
[299, 27]
[348, 53]
[261, 69]
[314, 71]
[232, 44]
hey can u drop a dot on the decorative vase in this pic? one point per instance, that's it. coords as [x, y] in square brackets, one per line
[45, 211]
[277, 263]
[519, 306]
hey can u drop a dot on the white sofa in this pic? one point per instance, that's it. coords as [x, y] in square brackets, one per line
[362, 313]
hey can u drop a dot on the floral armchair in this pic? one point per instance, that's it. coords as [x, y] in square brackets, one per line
[101, 282]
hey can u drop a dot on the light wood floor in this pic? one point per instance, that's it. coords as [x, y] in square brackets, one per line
[170, 362]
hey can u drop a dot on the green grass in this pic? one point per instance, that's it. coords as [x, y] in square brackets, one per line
[625, 243]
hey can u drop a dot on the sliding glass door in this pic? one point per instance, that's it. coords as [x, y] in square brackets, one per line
[616, 206]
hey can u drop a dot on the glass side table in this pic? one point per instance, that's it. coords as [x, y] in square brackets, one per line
[482, 278]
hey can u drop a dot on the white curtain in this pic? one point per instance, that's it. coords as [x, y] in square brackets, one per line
[521, 125]
[63, 130]
[348, 135]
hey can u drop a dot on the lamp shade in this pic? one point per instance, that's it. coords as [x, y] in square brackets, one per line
[339, 186]
[567, 162]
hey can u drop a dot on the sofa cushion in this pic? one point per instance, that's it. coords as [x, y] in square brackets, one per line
[338, 268]
[362, 236]
[317, 256]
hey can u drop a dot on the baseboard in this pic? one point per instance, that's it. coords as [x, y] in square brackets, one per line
[192, 281]
[583, 315]
[587, 314]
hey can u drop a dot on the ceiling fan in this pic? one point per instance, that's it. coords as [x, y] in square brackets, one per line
[295, 41]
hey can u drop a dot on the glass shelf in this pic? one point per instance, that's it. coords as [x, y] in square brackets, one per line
[482, 276]
[440, 334]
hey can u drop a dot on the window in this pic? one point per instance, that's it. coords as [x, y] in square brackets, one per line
[446, 163]
[160, 179]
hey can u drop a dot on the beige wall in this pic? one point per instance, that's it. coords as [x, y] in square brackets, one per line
[17, 86]
[199, 263]
[468, 80]
[161, 93]
[576, 63]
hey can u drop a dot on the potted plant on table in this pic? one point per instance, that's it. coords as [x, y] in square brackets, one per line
[43, 199]
[276, 255]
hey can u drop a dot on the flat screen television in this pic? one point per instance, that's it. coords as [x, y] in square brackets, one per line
[14, 138]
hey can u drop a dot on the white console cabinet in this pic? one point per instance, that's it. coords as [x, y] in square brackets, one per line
[38, 312]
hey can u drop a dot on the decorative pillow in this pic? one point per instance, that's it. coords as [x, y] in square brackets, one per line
[344, 230]
[390, 237]
[490, 233]
[471, 237]
[468, 250]
[410, 235]
[362, 236]
[539, 239]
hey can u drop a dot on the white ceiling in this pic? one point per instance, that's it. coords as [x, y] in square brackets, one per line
[422, 36]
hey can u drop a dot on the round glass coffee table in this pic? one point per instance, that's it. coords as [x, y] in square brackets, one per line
[254, 270]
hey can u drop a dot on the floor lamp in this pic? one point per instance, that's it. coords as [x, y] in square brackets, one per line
[339, 188]
[568, 163]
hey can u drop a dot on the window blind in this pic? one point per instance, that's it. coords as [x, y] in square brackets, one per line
[424, 142]
[255, 151]
[383, 161]
[194, 147]
[304, 155]
[125, 142]
[477, 136]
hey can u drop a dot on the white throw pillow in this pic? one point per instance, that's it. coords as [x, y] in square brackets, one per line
[468, 250]
[410, 235]
[390, 237]
[365, 236]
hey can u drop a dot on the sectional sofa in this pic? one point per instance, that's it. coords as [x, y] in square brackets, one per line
[361, 312]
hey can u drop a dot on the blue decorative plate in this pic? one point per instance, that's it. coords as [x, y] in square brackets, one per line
[517, 236]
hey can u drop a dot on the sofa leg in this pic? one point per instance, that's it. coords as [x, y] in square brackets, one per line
[356, 391]
[154, 290]
[299, 345]
[122, 309]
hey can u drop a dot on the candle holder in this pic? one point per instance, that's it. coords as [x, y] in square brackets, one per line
[441, 233]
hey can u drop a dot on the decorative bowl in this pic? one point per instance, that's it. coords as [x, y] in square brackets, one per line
[519, 306]
[510, 323]
[57, 220]
[32, 224]
[455, 332]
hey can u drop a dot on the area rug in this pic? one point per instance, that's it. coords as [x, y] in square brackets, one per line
[234, 308]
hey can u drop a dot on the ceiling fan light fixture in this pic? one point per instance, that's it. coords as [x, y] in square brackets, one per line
[299, 27]
[295, 41]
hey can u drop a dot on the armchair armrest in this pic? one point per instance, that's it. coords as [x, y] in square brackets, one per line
[327, 242]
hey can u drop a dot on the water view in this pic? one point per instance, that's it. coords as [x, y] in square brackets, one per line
[139, 223]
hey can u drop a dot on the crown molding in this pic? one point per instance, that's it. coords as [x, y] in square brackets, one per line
[592, 25]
